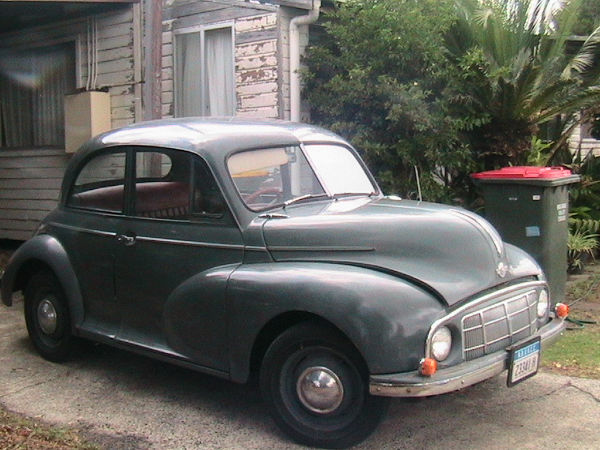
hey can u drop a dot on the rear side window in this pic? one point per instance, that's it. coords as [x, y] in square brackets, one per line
[100, 185]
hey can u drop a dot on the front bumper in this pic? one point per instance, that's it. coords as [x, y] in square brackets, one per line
[413, 384]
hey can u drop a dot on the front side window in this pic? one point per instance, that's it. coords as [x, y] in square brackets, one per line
[162, 184]
[175, 185]
[100, 185]
[204, 73]
[33, 84]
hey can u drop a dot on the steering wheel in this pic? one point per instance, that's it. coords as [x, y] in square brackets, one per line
[265, 191]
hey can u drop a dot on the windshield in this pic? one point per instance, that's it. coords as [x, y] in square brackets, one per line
[339, 170]
[281, 176]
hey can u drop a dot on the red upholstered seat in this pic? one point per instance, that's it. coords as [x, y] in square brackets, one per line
[107, 199]
[162, 199]
[159, 199]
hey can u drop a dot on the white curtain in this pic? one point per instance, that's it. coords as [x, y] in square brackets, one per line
[16, 76]
[189, 81]
[32, 89]
[205, 83]
[218, 50]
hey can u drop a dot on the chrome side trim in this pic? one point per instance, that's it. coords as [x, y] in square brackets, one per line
[162, 240]
[82, 230]
[473, 304]
[190, 243]
[324, 248]
[255, 248]
[412, 384]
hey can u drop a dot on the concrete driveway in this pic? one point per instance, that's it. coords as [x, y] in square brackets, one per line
[126, 401]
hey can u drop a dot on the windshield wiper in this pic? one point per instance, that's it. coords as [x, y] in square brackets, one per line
[303, 197]
[350, 194]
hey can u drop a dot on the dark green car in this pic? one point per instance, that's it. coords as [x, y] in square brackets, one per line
[235, 248]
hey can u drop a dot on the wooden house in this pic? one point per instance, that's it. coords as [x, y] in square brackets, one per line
[71, 69]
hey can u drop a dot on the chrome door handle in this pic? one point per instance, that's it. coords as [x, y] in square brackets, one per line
[125, 239]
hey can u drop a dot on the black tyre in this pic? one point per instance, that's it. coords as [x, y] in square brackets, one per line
[315, 384]
[47, 317]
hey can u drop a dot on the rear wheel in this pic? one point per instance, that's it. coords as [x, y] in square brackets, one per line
[47, 317]
[315, 384]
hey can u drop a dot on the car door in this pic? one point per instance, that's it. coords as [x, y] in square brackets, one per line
[86, 227]
[178, 245]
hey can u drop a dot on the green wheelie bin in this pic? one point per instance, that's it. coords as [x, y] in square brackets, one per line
[529, 206]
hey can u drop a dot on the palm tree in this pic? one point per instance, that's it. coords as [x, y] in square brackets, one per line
[516, 70]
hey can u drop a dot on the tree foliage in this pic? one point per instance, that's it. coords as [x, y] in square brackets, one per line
[376, 76]
[450, 87]
[515, 72]
[589, 18]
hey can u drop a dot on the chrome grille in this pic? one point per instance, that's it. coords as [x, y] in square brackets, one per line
[500, 325]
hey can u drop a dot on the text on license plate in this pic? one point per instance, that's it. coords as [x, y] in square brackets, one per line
[524, 363]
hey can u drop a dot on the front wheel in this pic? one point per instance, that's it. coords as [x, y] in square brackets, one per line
[47, 317]
[315, 385]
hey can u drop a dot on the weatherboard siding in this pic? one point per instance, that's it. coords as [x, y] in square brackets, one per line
[30, 179]
[29, 188]
[579, 142]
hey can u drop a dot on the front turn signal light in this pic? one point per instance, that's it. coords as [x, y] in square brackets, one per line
[428, 367]
[562, 310]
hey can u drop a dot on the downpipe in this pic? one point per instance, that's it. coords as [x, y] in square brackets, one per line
[295, 25]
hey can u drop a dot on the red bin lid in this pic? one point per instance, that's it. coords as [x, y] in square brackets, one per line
[524, 172]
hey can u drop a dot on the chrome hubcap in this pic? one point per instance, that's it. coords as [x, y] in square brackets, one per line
[320, 390]
[46, 314]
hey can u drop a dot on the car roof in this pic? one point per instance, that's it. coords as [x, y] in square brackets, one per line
[212, 136]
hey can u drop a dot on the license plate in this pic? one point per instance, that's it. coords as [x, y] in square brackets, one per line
[524, 360]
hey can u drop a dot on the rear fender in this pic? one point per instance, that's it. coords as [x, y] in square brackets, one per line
[385, 317]
[43, 250]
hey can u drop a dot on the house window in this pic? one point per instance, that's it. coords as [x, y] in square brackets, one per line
[204, 73]
[33, 84]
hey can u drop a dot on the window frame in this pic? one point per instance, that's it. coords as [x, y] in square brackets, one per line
[201, 30]
[224, 218]
[129, 186]
[126, 183]
[75, 52]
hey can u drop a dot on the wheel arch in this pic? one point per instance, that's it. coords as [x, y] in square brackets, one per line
[277, 325]
[43, 252]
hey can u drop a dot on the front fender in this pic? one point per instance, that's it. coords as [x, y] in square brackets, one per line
[46, 250]
[385, 317]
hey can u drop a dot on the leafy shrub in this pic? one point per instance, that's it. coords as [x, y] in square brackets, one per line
[581, 246]
[376, 75]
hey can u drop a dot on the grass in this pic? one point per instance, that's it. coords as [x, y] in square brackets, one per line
[17, 432]
[577, 353]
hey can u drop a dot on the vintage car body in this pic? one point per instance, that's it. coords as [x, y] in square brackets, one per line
[343, 293]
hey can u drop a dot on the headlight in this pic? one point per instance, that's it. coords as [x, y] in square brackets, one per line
[542, 304]
[441, 343]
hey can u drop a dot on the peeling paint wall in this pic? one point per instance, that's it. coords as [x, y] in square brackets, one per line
[257, 50]
[256, 63]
